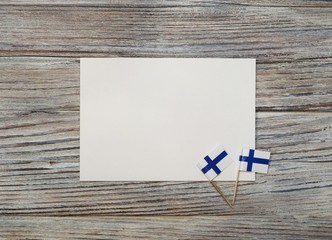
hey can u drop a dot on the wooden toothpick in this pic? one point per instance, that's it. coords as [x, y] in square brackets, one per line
[236, 186]
[221, 193]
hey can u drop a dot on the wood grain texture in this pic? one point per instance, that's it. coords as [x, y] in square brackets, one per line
[52, 84]
[40, 173]
[230, 227]
[188, 29]
[115, 3]
[40, 45]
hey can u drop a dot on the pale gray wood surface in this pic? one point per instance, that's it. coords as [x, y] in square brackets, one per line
[190, 3]
[160, 29]
[40, 45]
[203, 227]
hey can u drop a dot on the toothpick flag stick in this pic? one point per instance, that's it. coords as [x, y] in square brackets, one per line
[213, 164]
[252, 160]
[221, 193]
[236, 185]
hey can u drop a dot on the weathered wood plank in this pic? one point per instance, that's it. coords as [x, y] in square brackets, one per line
[52, 84]
[273, 3]
[39, 84]
[39, 173]
[230, 227]
[209, 29]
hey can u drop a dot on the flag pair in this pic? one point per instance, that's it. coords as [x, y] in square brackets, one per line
[217, 161]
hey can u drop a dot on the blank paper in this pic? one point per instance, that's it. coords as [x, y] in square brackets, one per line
[152, 119]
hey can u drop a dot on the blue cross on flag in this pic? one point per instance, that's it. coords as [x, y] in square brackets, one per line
[214, 163]
[254, 161]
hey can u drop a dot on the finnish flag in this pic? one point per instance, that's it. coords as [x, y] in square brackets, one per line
[254, 161]
[214, 163]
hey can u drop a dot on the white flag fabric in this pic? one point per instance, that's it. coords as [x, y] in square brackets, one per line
[253, 160]
[214, 163]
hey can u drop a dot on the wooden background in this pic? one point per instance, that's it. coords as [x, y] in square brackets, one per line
[40, 46]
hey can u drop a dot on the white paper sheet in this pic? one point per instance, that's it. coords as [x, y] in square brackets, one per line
[152, 119]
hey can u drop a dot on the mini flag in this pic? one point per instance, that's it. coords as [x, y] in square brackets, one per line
[214, 163]
[254, 161]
